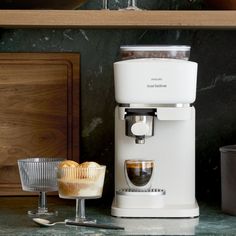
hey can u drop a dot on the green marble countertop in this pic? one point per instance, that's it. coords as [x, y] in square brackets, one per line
[15, 221]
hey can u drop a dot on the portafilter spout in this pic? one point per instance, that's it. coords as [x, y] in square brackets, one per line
[140, 139]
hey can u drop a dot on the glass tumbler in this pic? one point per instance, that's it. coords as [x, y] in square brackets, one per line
[228, 179]
[132, 5]
[39, 175]
[105, 5]
[139, 173]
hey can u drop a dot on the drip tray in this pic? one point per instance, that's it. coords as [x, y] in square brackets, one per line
[129, 198]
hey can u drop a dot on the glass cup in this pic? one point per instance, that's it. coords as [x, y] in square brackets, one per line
[80, 183]
[132, 5]
[105, 5]
[39, 175]
[139, 173]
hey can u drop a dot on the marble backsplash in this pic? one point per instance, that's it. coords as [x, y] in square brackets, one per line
[214, 50]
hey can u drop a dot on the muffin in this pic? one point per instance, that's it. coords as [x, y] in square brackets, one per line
[84, 180]
[68, 163]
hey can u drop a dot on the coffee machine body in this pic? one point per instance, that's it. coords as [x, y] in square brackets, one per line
[155, 121]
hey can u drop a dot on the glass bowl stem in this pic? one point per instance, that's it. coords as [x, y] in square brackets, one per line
[42, 204]
[80, 210]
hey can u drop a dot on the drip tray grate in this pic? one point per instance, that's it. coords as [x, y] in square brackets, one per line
[152, 191]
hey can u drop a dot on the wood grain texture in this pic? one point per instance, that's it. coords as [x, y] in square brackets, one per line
[39, 111]
[118, 19]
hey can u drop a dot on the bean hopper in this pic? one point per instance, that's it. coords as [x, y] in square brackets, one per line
[155, 133]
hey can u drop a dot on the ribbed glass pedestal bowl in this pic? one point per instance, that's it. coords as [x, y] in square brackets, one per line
[39, 175]
[81, 183]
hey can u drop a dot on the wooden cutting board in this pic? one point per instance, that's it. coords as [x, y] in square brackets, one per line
[39, 111]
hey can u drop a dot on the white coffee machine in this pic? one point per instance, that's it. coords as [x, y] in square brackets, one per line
[154, 121]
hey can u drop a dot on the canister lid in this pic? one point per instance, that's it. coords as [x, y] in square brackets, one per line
[230, 148]
[182, 48]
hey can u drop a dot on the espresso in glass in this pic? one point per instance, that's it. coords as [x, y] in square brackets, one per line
[139, 173]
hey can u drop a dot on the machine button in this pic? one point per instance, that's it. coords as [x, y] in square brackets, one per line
[139, 129]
